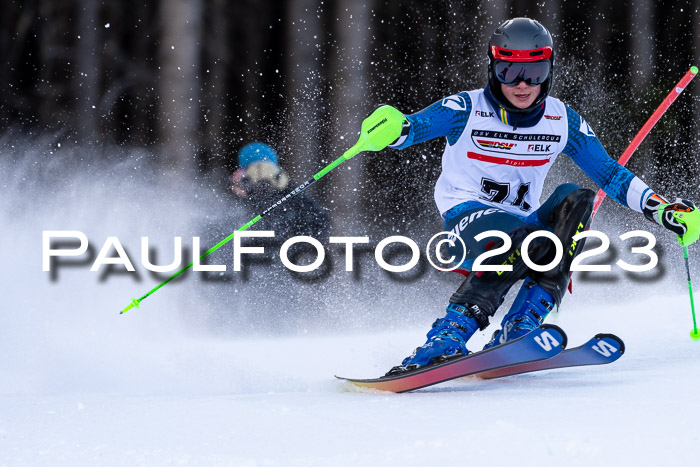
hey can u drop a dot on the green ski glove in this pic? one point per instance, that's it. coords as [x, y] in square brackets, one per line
[379, 130]
[681, 218]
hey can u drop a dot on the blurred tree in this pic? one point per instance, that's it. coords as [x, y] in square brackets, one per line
[86, 81]
[53, 73]
[353, 35]
[304, 74]
[179, 86]
[17, 44]
[250, 46]
[201, 78]
[129, 70]
[642, 46]
[218, 69]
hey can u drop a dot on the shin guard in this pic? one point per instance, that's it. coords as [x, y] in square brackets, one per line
[570, 217]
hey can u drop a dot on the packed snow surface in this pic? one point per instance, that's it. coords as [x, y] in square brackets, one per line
[233, 378]
[92, 400]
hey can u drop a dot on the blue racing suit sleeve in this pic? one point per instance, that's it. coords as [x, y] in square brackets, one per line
[585, 149]
[447, 117]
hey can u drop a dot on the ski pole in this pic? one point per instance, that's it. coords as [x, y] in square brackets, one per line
[639, 137]
[694, 333]
[376, 133]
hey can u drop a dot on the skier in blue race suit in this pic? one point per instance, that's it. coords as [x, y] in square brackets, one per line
[501, 142]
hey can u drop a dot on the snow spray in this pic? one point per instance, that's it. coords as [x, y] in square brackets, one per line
[636, 141]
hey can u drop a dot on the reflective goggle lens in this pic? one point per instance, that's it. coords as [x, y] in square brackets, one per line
[511, 73]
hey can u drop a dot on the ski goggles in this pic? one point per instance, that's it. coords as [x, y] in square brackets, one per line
[511, 73]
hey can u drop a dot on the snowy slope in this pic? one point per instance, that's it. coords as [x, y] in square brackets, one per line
[82, 385]
[274, 401]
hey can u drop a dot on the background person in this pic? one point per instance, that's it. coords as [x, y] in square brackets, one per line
[260, 182]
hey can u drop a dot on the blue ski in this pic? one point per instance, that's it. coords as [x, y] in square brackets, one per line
[599, 350]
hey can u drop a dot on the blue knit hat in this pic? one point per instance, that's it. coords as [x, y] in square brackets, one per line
[256, 152]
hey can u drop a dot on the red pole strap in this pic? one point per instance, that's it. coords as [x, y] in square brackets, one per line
[690, 74]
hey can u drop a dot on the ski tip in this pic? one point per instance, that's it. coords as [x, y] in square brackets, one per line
[357, 380]
[620, 343]
[360, 380]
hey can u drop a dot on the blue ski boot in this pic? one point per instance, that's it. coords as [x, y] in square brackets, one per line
[447, 339]
[530, 307]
